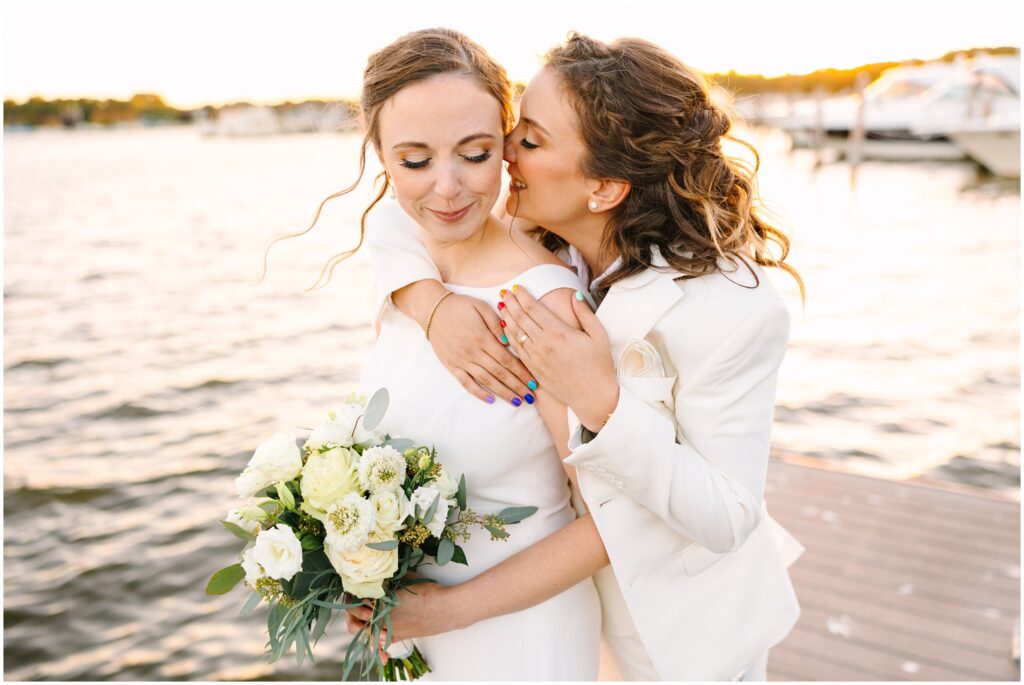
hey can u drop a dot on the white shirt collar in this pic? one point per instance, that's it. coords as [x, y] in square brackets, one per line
[577, 261]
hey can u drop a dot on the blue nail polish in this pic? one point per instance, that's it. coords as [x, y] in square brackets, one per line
[489, 399]
[516, 401]
[532, 385]
[529, 398]
[579, 295]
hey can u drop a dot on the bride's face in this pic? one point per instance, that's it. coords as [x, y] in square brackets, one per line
[441, 142]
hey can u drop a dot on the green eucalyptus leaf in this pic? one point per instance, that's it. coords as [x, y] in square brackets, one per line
[385, 546]
[429, 516]
[516, 514]
[223, 580]
[250, 604]
[239, 531]
[459, 557]
[445, 551]
[400, 444]
[460, 496]
[375, 409]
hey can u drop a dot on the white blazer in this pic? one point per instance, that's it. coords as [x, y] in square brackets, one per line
[675, 479]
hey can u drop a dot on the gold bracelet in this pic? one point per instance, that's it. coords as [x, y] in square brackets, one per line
[431, 317]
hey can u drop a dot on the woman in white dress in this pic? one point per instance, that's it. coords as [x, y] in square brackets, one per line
[671, 385]
[437, 109]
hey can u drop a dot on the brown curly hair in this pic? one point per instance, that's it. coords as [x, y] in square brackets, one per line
[414, 57]
[647, 118]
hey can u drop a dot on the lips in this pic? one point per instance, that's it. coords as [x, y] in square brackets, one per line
[452, 217]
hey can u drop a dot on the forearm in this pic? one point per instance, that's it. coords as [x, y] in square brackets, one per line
[532, 576]
[417, 299]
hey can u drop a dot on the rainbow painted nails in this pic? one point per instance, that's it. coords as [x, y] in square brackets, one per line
[516, 401]
[501, 305]
[515, 288]
[532, 385]
[489, 399]
[579, 295]
[529, 398]
[503, 292]
[504, 339]
[503, 324]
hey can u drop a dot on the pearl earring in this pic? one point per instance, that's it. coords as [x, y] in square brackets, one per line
[593, 205]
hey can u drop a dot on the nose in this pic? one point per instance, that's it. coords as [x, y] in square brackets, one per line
[448, 185]
[509, 151]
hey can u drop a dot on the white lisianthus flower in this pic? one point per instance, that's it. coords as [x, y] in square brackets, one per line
[329, 476]
[344, 428]
[424, 497]
[278, 551]
[253, 571]
[276, 460]
[392, 507]
[238, 517]
[381, 468]
[446, 485]
[348, 522]
[363, 570]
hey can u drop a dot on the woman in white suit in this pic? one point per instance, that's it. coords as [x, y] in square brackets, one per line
[670, 384]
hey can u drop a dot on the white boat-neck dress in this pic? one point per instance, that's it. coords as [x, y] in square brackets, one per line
[509, 459]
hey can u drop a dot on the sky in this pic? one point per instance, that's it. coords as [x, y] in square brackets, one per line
[219, 51]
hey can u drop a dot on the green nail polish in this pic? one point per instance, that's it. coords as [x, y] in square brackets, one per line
[579, 295]
[504, 339]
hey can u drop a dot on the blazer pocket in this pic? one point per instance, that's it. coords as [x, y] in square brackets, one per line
[650, 389]
[697, 559]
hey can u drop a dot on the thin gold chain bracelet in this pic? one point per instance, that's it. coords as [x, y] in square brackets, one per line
[430, 318]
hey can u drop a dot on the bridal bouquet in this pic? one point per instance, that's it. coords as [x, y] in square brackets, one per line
[351, 512]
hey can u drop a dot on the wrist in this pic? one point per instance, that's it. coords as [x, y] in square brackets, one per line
[599, 408]
[417, 299]
[461, 609]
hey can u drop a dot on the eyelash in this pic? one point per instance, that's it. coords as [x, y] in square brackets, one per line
[527, 144]
[475, 159]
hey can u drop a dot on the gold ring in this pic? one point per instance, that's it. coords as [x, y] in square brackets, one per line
[523, 338]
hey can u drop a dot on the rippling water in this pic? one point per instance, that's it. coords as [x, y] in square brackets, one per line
[143, 364]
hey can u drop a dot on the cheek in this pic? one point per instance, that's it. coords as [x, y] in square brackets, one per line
[485, 179]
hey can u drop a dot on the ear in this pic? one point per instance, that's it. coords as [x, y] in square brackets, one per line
[609, 194]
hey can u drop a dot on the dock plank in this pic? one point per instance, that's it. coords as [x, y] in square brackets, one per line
[899, 582]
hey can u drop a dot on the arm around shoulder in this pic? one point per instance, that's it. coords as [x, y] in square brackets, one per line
[397, 253]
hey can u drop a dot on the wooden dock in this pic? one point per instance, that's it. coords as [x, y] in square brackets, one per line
[899, 581]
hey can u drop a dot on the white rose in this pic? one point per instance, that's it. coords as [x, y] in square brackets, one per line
[253, 571]
[424, 497]
[349, 521]
[364, 570]
[276, 460]
[381, 468]
[448, 487]
[243, 521]
[339, 429]
[392, 507]
[639, 359]
[278, 551]
[329, 476]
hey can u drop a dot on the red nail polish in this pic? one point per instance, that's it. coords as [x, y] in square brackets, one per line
[503, 324]
[501, 305]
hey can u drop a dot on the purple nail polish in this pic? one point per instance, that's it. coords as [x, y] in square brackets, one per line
[529, 398]
[516, 401]
[489, 399]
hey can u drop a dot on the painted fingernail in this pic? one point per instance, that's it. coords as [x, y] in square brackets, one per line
[516, 401]
[503, 324]
[515, 288]
[489, 399]
[501, 305]
[579, 295]
[503, 292]
[504, 339]
[529, 398]
[532, 385]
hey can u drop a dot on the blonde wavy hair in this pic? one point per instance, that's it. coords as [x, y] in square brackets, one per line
[414, 57]
[647, 118]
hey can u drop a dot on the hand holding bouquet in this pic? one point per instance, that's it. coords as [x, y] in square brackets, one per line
[354, 511]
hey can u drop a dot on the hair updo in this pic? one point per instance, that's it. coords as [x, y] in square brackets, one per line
[647, 118]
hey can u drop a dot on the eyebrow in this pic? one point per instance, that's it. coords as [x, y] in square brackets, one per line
[537, 126]
[467, 139]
